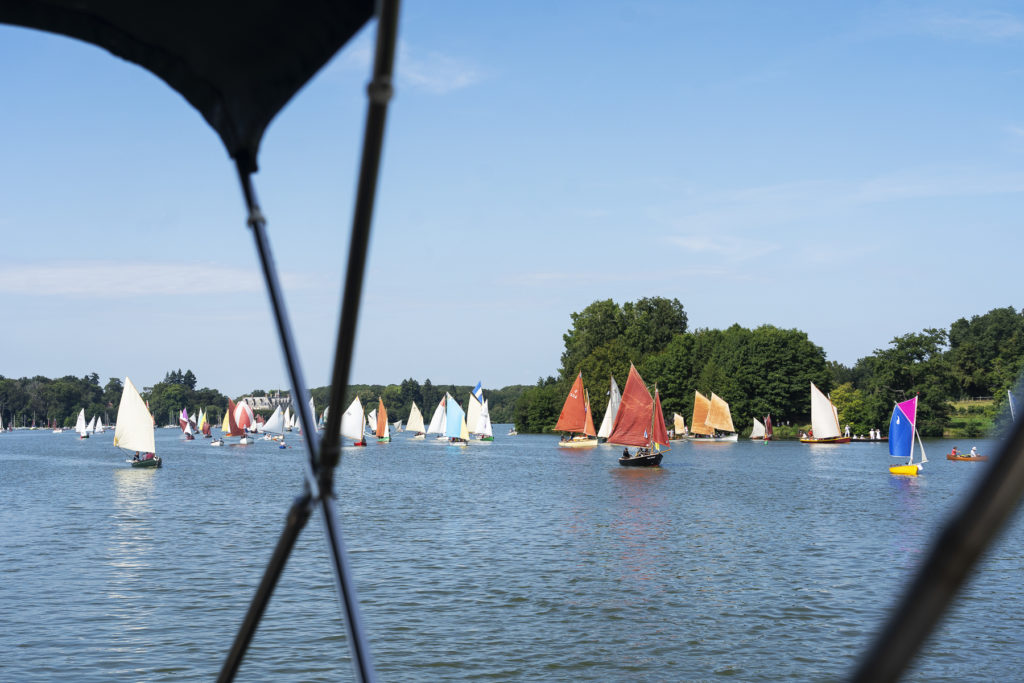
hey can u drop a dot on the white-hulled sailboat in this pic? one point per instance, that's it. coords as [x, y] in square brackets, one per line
[415, 422]
[353, 423]
[382, 426]
[614, 399]
[81, 426]
[824, 420]
[710, 419]
[576, 418]
[134, 430]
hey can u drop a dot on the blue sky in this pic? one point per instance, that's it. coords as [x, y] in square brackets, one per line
[851, 170]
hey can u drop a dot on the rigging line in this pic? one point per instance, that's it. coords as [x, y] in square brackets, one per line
[954, 553]
[379, 92]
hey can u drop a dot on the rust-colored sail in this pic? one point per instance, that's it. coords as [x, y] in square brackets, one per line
[382, 419]
[659, 434]
[719, 416]
[233, 428]
[588, 426]
[574, 415]
[633, 421]
[701, 408]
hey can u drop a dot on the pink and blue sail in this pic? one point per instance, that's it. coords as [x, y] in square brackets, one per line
[901, 429]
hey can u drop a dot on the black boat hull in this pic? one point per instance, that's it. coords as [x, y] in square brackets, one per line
[648, 460]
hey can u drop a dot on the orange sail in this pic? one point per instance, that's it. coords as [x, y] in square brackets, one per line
[701, 408]
[659, 434]
[588, 427]
[633, 421]
[575, 416]
[382, 419]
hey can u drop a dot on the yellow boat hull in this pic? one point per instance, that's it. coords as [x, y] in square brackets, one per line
[908, 470]
[578, 443]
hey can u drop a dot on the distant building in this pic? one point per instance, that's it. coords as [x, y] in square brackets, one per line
[268, 402]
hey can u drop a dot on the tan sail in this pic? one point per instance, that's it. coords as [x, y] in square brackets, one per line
[678, 424]
[719, 416]
[701, 408]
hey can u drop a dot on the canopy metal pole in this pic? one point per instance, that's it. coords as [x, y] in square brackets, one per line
[952, 556]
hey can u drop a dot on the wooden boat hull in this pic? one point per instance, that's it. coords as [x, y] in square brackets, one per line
[728, 438]
[152, 462]
[905, 470]
[967, 458]
[645, 460]
[834, 439]
[578, 443]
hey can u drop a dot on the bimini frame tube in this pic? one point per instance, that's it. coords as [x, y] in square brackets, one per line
[324, 454]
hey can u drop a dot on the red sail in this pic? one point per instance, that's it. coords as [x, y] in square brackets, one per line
[633, 421]
[660, 434]
[233, 428]
[768, 433]
[588, 428]
[574, 412]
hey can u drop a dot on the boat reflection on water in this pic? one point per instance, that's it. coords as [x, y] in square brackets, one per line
[641, 521]
[132, 539]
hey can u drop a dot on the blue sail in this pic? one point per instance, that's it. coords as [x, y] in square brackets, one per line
[478, 391]
[901, 434]
[455, 415]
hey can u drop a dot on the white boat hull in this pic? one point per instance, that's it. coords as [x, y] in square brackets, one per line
[728, 438]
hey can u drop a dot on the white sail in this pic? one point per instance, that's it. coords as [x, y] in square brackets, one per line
[823, 415]
[758, 431]
[312, 412]
[397, 425]
[134, 430]
[352, 421]
[99, 424]
[473, 410]
[92, 426]
[371, 420]
[275, 425]
[614, 399]
[80, 425]
[485, 421]
[415, 421]
[439, 422]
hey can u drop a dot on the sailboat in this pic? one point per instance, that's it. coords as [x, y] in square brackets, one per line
[640, 422]
[99, 425]
[353, 422]
[80, 425]
[92, 425]
[186, 426]
[710, 418]
[455, 422]
[678, 425]
[225, 428]
[762, 430]
[383, 427]
[439, 422]
[824, 420]
[484, 429]
[415, 423]
[134, 430]
[274, 428]
[902, 429]
[614, 398]
[576, 418]
[477, 415]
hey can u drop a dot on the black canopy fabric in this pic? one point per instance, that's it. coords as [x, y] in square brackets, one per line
[238, 63]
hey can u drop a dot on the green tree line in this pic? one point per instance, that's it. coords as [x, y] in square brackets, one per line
[768, 370]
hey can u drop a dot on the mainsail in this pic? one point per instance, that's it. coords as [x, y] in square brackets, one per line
[484, 426]
[438, 421]
[678, 424]
[701, 410]
[823, 415]
[383, 429]
[758, 431]
[614, 399]
[275, 425]
[575, 415]
[134, 429]
[352, 421]
[456, 419]
[415, 421]
[719, 416]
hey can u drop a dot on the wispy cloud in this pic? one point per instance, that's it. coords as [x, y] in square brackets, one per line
[110, 279]
[432, 72]
[968, 24]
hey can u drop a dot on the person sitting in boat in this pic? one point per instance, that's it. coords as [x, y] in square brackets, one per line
[625, 452]
[954, 453]
[974, 451]
[147, 456]
[135, 458]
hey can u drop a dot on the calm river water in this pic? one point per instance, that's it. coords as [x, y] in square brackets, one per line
[513, 560]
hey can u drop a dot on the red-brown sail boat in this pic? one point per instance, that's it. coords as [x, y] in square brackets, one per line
[577, 419]
[640, 422]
